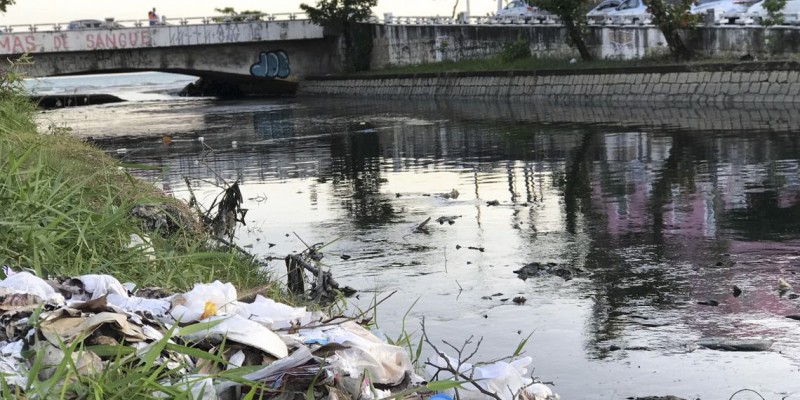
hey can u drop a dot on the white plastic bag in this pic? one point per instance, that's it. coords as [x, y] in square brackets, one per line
[241, 330]
[387, 364]
[101, 285]
[272, 314]
[205, 300]
[27, 283]
[501, 378]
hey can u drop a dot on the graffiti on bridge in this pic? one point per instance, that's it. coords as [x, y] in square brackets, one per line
[271, 64]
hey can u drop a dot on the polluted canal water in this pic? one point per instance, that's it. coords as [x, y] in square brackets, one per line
[646, 241]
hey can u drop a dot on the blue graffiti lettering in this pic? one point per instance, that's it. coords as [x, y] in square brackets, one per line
[272, 64]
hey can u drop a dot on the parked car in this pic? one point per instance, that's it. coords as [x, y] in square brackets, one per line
[725, 11]
[756, 13]
[630, 12]
[520, 9]
[93, 24]
[599, 14]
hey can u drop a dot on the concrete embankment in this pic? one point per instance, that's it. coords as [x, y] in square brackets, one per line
[731, 83]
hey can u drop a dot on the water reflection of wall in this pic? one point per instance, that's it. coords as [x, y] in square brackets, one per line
[697, 187]
[277, 124]
[635, 172]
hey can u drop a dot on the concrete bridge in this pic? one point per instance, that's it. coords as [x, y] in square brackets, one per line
[267, 55]
[258, 56]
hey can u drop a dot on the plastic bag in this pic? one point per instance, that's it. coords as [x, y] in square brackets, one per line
[203, 301]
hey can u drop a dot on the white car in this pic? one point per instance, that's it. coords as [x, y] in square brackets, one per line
[519, 9]
[81, 24]
[725, 11]
[599, 14]
[631, 12]
[756, 13]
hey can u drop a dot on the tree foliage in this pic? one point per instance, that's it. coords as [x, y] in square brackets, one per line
[671, 18]
[774, 9]
[573, 16]
[4, 4]
[343, 16]
[235, 16]
[338, 13]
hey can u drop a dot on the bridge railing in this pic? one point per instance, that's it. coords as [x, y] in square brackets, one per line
[467, 20]
[789, 20]
[111, 23]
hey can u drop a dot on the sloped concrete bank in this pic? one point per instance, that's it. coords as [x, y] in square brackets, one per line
[734, 83]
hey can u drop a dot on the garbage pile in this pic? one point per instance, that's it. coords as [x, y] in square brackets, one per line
[286, 351]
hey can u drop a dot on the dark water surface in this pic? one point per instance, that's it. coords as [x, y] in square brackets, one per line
[652, 210]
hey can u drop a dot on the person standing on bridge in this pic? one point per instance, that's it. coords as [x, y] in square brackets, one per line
[153, 17]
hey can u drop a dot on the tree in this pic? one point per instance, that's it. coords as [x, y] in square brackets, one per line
[4, 4]
[573, 16]
[671, 19]
[774, 9]
[343, 16]
[236, 16]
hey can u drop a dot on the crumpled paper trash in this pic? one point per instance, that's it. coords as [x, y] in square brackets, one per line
[11, 360]
[501, 378]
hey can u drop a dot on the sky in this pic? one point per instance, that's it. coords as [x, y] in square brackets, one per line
[27, 12]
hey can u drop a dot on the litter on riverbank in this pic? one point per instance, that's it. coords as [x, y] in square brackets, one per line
[215, 346]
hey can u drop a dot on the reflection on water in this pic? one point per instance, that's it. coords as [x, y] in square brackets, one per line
[652, 209]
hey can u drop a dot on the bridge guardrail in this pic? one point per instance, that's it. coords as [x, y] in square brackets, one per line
[790, 20]
[111, 23]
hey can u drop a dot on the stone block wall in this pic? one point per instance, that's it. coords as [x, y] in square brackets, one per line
[739, 83]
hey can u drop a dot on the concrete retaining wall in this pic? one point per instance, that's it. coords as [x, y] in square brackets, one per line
[399, 45]
[699, 84]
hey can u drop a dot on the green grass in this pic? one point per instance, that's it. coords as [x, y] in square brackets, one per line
[64, 211]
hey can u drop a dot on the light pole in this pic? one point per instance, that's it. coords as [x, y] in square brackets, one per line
[499, 6]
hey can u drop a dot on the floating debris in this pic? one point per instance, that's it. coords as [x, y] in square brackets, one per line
[536, 269]
[736, 291]
[453, 194]
[450, 219]
[735, 344]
